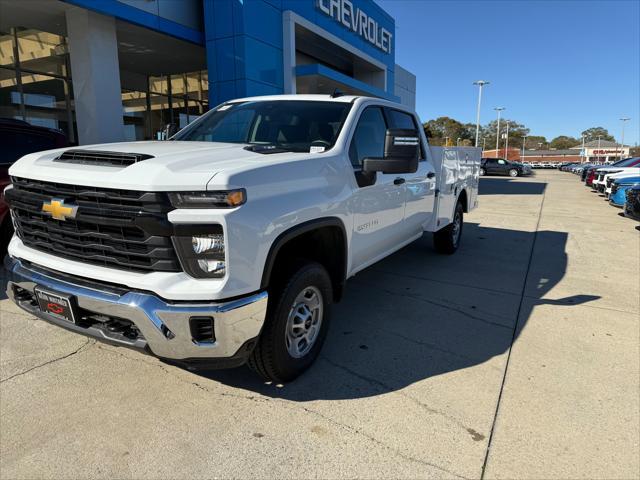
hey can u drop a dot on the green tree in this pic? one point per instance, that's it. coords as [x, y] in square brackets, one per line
[563, 142]
[537, 142]
[595, 132]
[441, 128]
[517, 132]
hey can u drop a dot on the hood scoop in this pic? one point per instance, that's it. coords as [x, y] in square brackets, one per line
[102, 158]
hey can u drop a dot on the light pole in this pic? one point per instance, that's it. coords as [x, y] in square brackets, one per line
[599, 152]
[623, 120]
[498, 109]
[583, 153]
[524, 143]
[480, 83]
[506, 145]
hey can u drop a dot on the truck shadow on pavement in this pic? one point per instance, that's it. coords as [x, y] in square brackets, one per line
[509, 186]
[417, 315]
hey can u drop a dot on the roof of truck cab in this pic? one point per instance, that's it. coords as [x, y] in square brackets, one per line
[309, 97]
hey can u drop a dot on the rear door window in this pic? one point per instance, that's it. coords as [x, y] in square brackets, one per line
[398, 119]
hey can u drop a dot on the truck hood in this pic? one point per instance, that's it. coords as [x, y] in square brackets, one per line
[175, 165]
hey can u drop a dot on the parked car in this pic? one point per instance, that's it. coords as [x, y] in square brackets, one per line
[18, 138]
[619, 189]
[611, 178]
[228, 244]
[599, 181]
[500, 166]
[632, 203]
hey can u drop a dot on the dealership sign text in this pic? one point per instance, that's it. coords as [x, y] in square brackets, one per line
[343, 11]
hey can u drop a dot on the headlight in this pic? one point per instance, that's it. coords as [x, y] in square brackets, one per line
[202, 256]
[218, 199]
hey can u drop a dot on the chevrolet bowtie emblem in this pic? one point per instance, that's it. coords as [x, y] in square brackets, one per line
[59, 210]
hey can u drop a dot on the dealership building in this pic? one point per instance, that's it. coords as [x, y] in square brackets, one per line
[113, 70]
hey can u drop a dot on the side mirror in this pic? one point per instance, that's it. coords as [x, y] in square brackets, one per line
[401, 153]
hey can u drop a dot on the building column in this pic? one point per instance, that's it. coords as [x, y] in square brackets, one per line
[93, 51]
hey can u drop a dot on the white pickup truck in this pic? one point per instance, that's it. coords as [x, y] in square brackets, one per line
[228, 243]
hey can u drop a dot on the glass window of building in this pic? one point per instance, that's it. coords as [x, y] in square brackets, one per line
[35, 82]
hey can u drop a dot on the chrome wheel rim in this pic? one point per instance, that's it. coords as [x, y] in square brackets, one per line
[457, 228]
[513, 173]
[304, 322]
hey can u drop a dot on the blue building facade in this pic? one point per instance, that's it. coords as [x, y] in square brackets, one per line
[172, 59]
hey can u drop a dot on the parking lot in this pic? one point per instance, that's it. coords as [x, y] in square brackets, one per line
[518, 357]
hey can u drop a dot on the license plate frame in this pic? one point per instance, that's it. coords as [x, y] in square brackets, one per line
[59, 305]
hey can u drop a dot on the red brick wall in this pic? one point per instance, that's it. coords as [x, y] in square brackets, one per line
[553, 159]
[513, 154]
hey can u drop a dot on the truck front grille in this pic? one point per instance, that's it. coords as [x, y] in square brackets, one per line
[113, 228]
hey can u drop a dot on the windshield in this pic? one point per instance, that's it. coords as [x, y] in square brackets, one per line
[290, 125]
[627, 162]
[624, 162]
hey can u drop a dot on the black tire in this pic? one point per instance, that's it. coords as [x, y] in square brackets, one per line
[483, 172]
[447, 240]
[271, 358]
[513, 172]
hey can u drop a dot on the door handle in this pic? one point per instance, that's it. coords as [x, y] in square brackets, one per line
[399, 181]
[431, 174]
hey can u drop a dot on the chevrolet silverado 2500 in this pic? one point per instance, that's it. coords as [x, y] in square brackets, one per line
[228, 243]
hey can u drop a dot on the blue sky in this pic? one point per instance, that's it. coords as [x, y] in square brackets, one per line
[559, 67]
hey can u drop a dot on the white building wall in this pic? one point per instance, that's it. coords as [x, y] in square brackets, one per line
[405, 86]
[93, 51]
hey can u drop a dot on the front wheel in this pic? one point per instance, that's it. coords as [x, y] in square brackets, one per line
[482, 172]
[513, 172]
[447, 239]
[296, 325]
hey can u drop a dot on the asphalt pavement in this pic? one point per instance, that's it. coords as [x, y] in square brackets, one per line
[518, 357]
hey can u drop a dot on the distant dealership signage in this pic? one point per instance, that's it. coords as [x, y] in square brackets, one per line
[343, 12]
[605, 152]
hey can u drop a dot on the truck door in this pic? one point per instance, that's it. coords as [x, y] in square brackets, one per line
[378, 208]
[421, 185]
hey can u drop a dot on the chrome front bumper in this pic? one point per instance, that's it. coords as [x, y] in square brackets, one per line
[164, 326]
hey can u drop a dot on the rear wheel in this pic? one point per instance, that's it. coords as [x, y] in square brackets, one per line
[513, 172]
[296, 325]
[448, 239]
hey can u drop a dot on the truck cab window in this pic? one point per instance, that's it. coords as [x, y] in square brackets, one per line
[368, 139]
[398, 119]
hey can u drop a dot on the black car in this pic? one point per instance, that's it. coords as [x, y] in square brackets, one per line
[17, 138]
[500, 166]
[632, 203]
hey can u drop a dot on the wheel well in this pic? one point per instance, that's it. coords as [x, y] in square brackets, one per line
[465, 202]
[325, 244]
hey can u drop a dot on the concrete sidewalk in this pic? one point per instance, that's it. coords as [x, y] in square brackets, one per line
[515, 358]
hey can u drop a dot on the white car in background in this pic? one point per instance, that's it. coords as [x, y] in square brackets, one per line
[623, 173]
